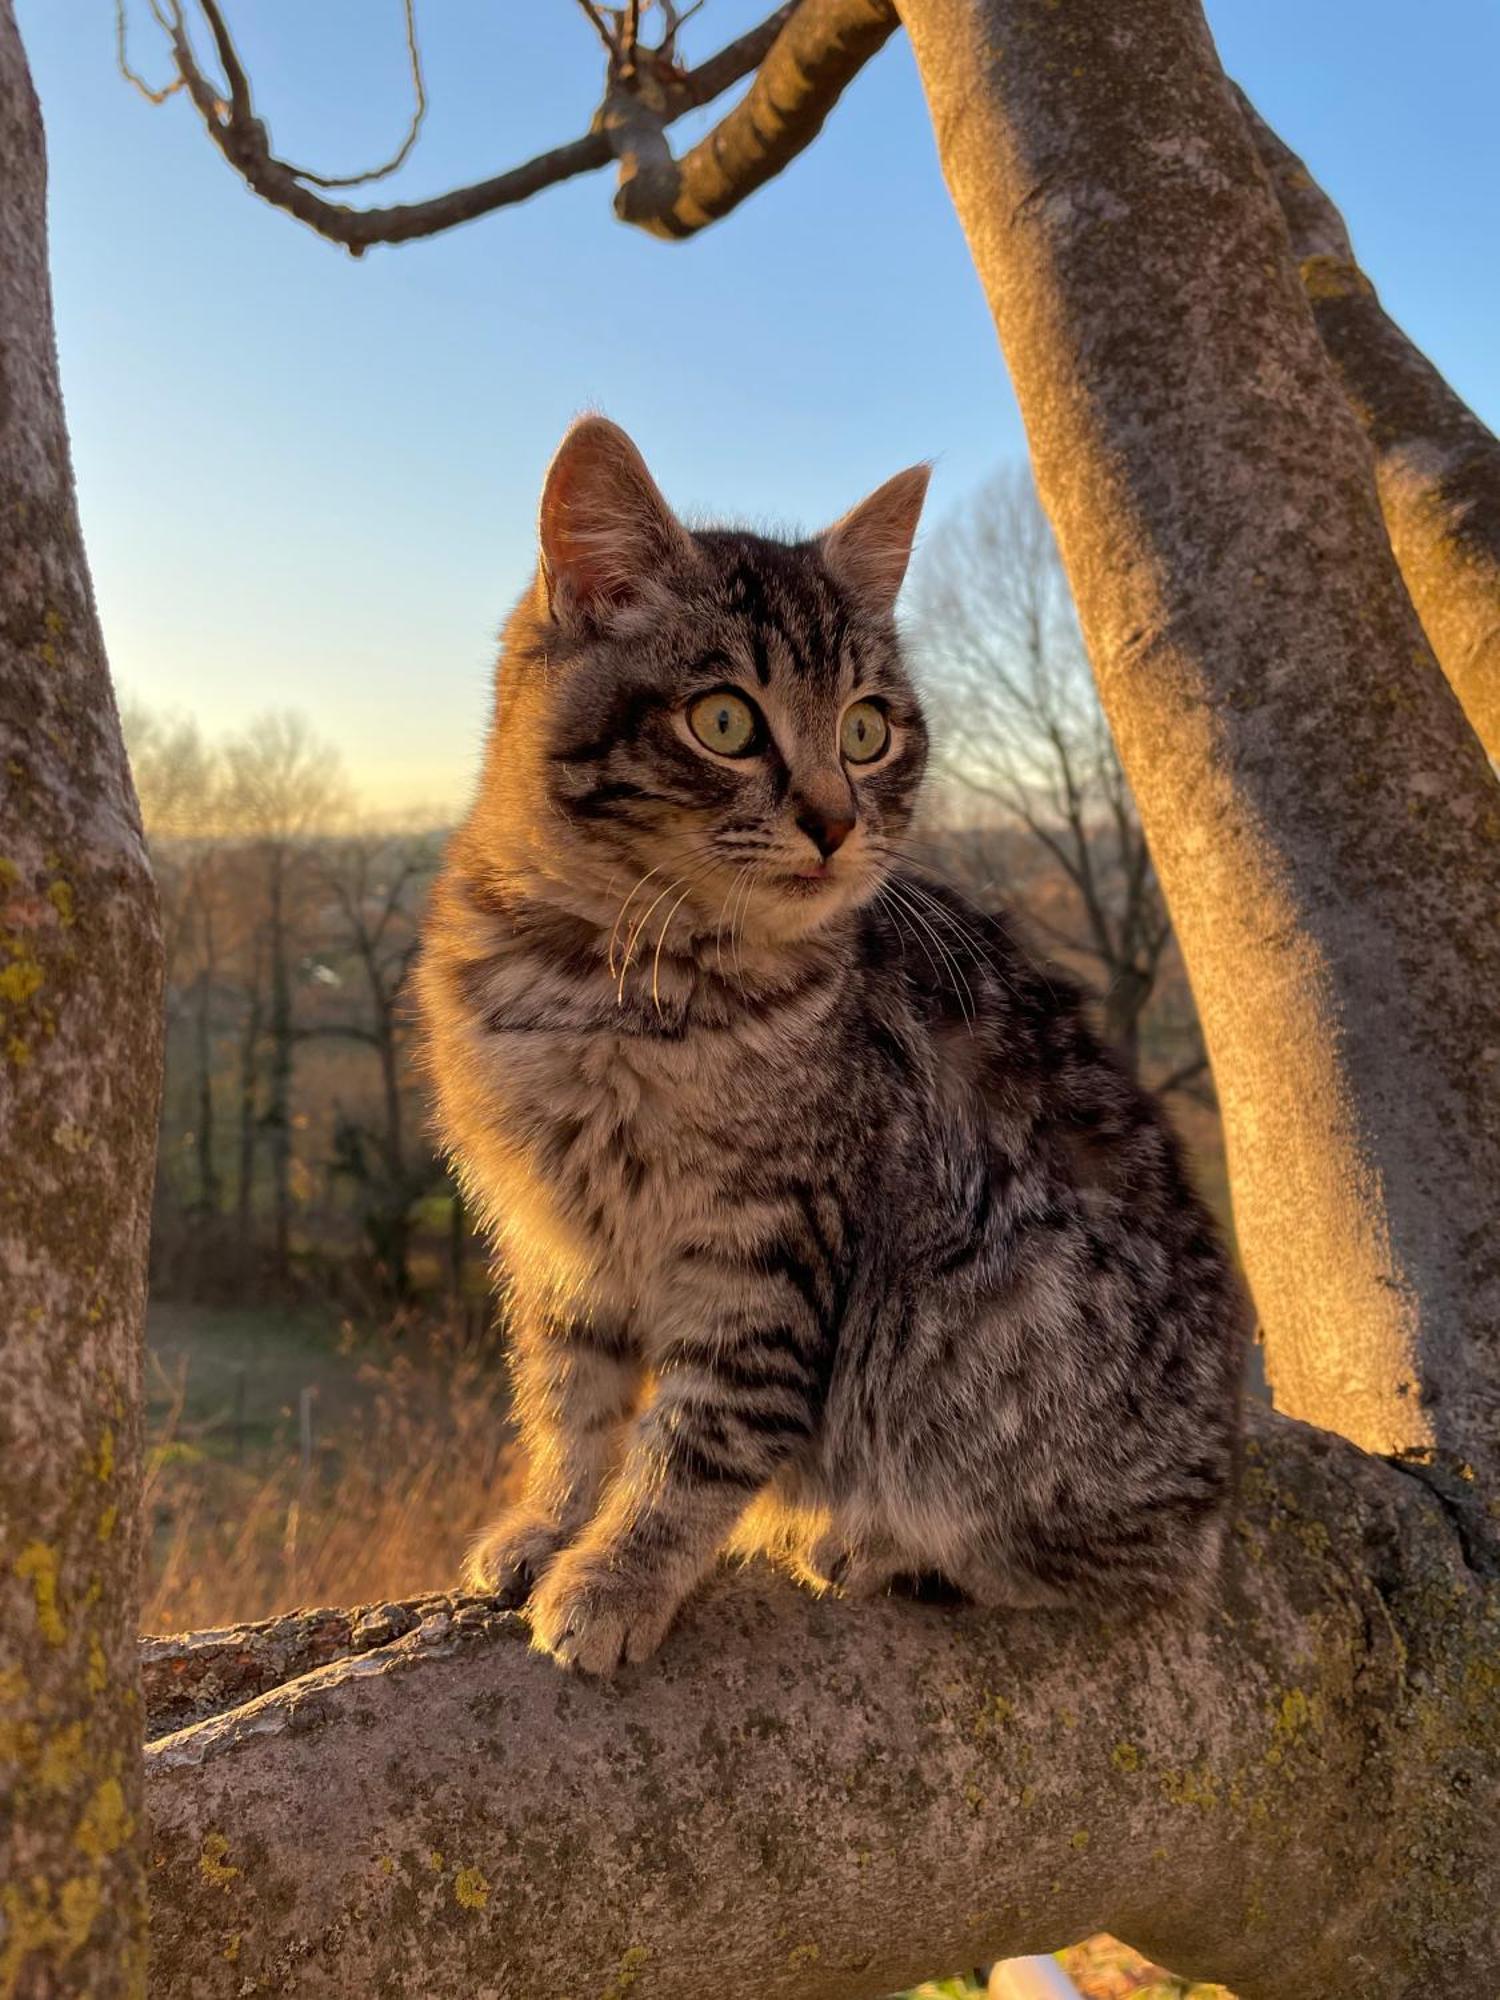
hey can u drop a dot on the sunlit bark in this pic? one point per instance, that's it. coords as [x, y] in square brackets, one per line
[1322, 818]
[1437, 466]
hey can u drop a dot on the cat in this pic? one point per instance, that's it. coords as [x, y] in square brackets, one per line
[827, 1225]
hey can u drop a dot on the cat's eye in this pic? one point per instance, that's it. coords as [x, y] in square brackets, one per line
[863, 733]
[724, 721]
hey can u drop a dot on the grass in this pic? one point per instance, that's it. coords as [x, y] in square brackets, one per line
[297, 1459]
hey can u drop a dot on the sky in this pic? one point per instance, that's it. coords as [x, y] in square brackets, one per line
[310, 482]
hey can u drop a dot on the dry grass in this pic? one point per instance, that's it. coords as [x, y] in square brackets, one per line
[418, 1455]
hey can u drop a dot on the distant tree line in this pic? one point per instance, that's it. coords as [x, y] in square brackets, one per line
[292, 1129]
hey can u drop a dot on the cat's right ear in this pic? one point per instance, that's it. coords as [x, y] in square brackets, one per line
[605, 529]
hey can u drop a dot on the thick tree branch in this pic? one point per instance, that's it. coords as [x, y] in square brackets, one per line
[241, 136]
[1294, 1793]
[1437, 466]
[1316, 804]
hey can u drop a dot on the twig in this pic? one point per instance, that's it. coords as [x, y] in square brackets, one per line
[241, 137]
[122, 57]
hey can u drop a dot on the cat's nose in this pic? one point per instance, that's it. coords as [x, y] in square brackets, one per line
[826, 831]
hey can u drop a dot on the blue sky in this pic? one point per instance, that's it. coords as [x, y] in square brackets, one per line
[308, 481]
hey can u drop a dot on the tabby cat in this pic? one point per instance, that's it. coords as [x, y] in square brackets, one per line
[826, 1223]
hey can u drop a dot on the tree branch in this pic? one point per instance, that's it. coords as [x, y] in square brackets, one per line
[818, 53]
[803, 1793]
[241, 137]
[1437, 466]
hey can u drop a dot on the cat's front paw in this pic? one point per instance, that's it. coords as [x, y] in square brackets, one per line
[513, 1555]
[596, 1617]
[835, 1564]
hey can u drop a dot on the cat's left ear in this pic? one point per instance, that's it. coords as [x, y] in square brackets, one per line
[869, 548]
[605, 530]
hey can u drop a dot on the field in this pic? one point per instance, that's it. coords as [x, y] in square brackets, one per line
[295, 1458]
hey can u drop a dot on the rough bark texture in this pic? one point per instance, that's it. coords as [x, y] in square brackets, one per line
[1437, 465]
[1294, 1794]
[1324, 822]
[80, 1012]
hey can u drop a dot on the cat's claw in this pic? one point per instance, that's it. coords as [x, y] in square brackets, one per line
[512, 1556]
[596, 1618]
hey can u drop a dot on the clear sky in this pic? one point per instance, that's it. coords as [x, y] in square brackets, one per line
[308, 481]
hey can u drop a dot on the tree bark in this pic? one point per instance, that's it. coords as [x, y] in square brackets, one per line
[80, 1065]
[1324, 822]
[1437, 466]
[1294, 1793]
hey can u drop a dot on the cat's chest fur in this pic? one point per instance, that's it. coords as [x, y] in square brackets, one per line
[628, 1131]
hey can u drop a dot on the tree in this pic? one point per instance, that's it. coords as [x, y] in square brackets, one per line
[1017, 710]
[80, 1069]
[1318, 1752]
[178, 782]
[282, 787]
[376, 880]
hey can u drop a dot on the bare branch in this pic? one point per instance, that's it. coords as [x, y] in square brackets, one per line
[122, 59]
[399, 158]
[600, 25]
[241, 137]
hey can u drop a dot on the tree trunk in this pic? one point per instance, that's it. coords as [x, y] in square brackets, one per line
[1294, 1793]
[80, 1074]
[1322, 817]
[1437, 466]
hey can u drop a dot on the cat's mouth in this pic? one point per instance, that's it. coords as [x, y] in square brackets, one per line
[808, 880]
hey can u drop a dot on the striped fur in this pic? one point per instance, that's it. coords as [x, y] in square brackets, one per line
[826, 1223]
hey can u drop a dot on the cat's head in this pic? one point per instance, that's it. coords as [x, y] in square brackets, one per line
[726, 716]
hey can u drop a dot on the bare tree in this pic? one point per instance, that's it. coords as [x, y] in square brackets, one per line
[283, 786]
[1023, 739]
[179, 783]
[377, 881]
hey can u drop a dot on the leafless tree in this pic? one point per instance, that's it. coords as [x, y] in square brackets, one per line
[282, 787]
[376, 880]
[179, 783]
[1023, 740]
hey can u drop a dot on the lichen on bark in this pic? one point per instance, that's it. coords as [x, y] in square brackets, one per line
[80, 1012]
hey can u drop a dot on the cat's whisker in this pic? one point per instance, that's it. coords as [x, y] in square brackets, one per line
[937, 910]
[661, 940]
[737, 926]
[914, 911]
[729, 896]
[898, 907]
[615, 930]
[630, 942]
